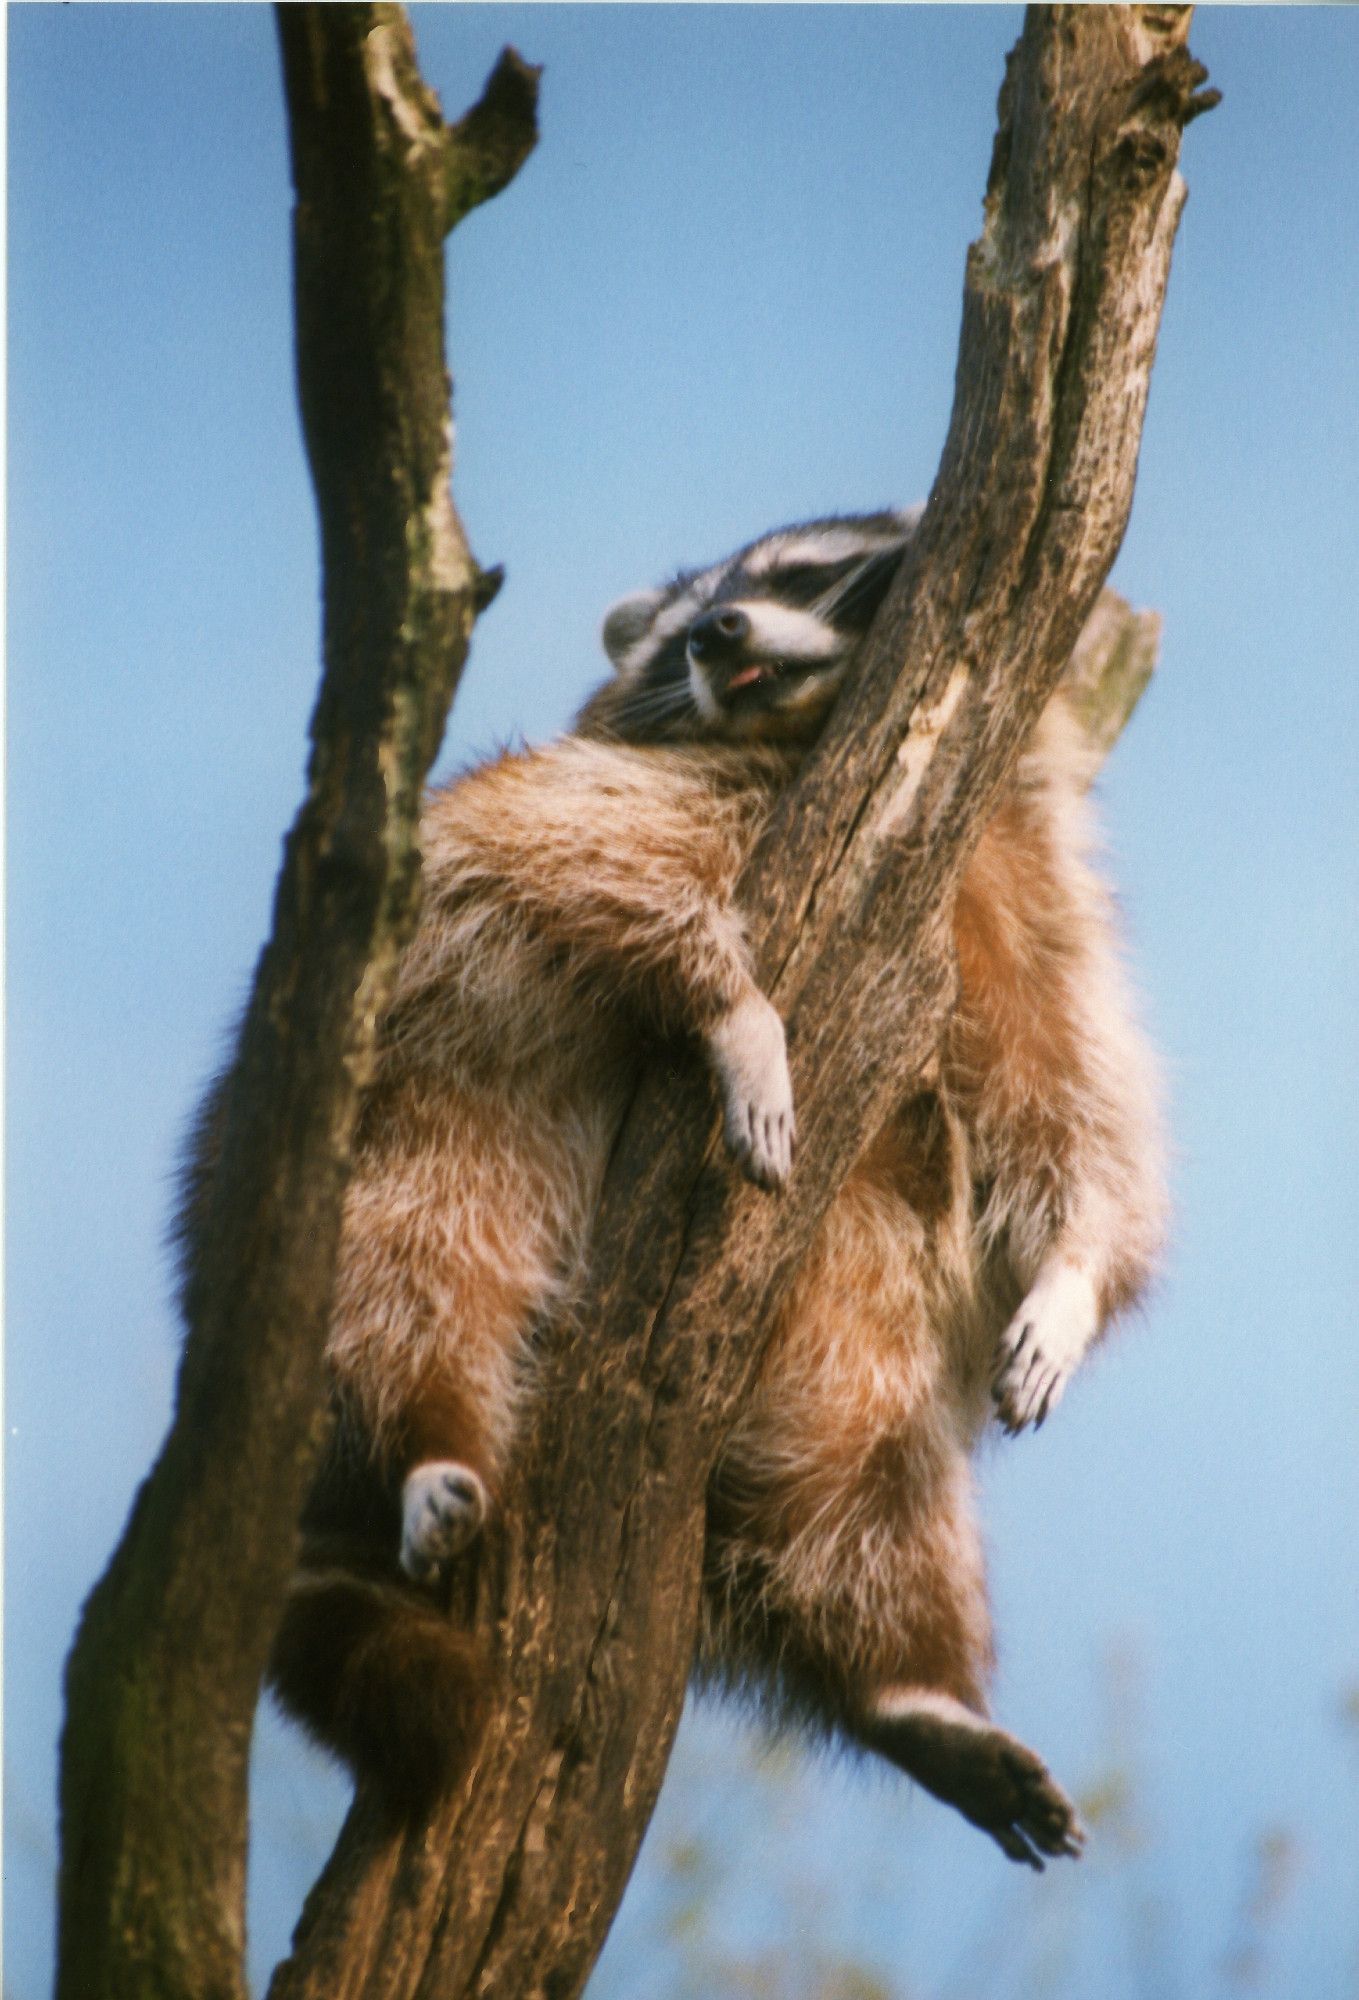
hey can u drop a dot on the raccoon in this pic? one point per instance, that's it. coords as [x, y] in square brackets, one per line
[579, 912]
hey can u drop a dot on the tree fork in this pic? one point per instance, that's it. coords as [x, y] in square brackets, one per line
[586, 1593]
[164, 1674]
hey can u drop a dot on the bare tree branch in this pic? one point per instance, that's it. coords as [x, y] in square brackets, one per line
[1110, 666]
[485, 150]
[164, 1675]
[587, 1595]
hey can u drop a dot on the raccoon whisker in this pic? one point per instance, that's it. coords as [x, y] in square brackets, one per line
[869, 579]
[834, 596]
[656, 711]
[658, 691]
[855, 587]
[653, 703]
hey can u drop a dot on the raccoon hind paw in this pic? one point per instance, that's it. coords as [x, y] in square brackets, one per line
[443, 1508]
[993, 1779]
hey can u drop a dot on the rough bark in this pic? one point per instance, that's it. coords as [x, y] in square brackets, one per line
[587, 1594]
[164, 1675]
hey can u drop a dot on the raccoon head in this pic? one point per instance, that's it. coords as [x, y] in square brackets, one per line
[755, 647]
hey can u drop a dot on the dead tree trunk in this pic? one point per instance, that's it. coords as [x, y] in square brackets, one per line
[587, 1594]
[164, 1675]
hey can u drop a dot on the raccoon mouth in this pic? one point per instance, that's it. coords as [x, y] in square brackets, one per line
[743, 690]
[768, 675]
[764, 670]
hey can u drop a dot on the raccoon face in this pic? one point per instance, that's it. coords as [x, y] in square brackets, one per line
[755, 647]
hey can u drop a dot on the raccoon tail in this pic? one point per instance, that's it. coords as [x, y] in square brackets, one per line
[380, 1676]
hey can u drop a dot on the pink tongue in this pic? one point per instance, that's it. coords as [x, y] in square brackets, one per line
[745, 677]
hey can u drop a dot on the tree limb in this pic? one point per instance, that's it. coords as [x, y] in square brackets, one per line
[485, 150]
[587, 1594]
[164, 1675]
[1110, 666]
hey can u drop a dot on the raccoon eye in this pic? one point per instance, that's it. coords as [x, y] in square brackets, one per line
[846, 593]
[803, 583]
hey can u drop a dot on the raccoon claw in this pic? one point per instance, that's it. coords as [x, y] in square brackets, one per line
[1027, 1386]
[750, 1056]
[443, 1508]
[1041, 1347]
[761, 1143]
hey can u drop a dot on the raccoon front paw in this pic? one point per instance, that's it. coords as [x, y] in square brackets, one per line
[750, 1055]
[443, 1508]
[1042, 1346]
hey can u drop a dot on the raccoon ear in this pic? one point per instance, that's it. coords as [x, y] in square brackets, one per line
[626, 622]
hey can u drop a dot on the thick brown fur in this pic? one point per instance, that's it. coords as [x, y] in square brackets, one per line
[579, 907]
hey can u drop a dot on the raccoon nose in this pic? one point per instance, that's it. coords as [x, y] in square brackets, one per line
[718, 634]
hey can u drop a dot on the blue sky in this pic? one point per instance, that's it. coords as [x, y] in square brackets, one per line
[723, 294]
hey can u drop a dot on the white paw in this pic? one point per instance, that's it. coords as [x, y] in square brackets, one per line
[443, 1508]
[750, 1056]
[1042, 1346]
